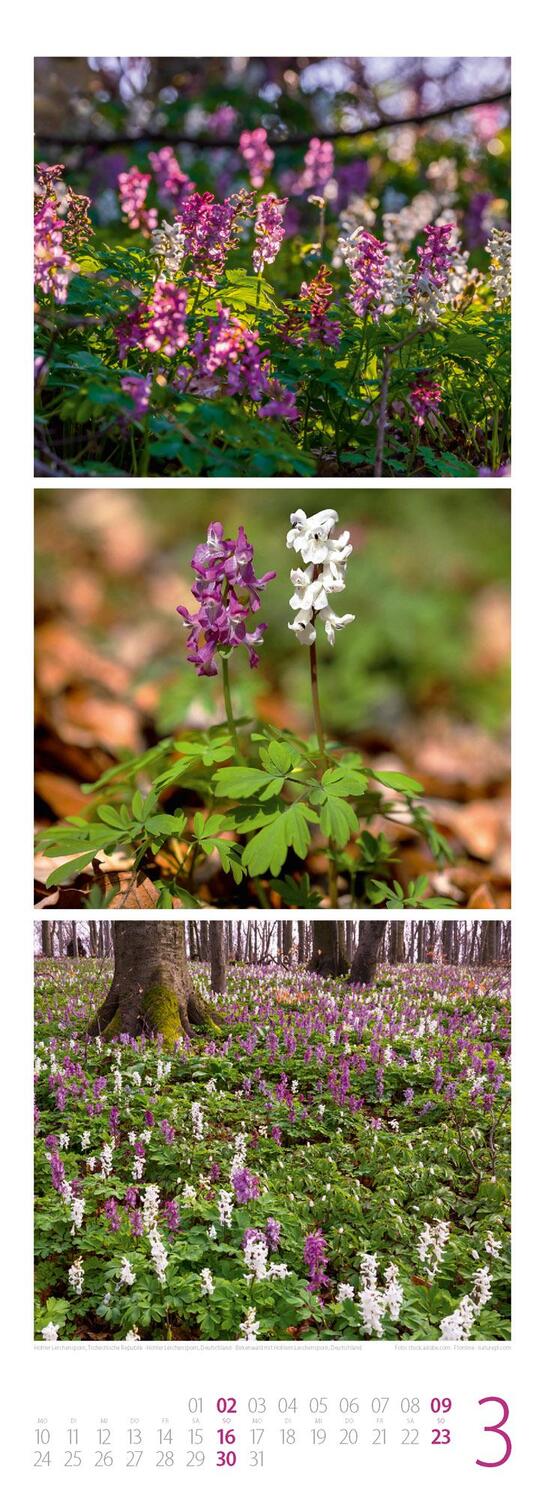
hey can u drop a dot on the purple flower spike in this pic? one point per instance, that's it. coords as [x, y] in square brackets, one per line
[227, 592]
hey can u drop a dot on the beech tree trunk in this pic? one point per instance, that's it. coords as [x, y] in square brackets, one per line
[151, 990]
[328, 955]
[364, 962]
[216, 936]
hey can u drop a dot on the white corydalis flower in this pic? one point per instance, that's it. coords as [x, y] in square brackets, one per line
[499, 250]
[325, 557]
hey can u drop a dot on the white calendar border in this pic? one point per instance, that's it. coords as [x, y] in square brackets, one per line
[61, 30]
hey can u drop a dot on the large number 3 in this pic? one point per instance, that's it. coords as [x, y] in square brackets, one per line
[498, 1427]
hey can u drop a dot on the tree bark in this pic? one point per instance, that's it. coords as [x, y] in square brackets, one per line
[151, 990]
[328, 957]
[216, 935]
[364, 962]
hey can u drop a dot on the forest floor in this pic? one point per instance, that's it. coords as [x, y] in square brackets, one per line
[333, 1165]
[420, 687]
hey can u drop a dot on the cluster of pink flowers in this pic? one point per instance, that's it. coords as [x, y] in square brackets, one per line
[425, 399]
[138, 387]
[227, 593]
[269, 230]
[231, 351]
[173, 184]
[319, 166]
[222, 120]
[257, 154]
[158, 324]
[133, 190]
[366, 261]
[52, 266]
[435, 259]
[206, 231]
[229, 346]
[318, 293]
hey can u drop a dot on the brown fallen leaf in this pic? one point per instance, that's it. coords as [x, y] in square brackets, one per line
[63, 656]
[82, 717]
[482, 899]
[62, 795]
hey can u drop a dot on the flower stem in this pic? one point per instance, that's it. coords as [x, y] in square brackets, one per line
[316, 701]
[229, 705]
[331, 871]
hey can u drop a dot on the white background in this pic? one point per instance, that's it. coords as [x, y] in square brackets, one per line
[149, 1382]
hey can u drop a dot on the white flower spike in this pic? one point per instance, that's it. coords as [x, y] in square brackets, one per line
[325, 557]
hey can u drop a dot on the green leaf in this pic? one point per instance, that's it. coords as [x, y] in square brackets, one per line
[289, 829]
[398, 782]
[111, 816]
[344, 781]
[167, 824]
[338, 821]
[65, 872]
[244, 781]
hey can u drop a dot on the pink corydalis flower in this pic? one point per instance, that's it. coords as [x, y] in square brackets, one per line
[52, 266]
[227, 593]
[319, 166]
[133, 189]
[138, 387]
[157, 325]
[366, 261]
[257, 154]
[269, 230]
[173, 185]
[425, 399]
[428, 289]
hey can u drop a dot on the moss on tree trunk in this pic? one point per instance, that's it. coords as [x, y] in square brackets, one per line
[151, 991]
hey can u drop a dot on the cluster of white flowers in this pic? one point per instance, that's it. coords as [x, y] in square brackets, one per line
[207, 1284]
[51, 1333]
[106, 1156]
[345, 1292]
[118, 1081]
[492, 1246]
[76, 1276]
[374, 1301]
[401, 228]
[126, 1274]
[77, 1210]
[499, 250]
[86, 1140]
[256, 1253]
[168, 245]
[239, 1158]
[431, 1245]
[457, 1327]
[225, 1206]
[64, 1142]
[249, 1327]
[133, 1336]
[138, 1168]
[189, 1193]
[150, 1206]
[158, 1254]
[197, 1121]
[324, 574]
[163, 1069]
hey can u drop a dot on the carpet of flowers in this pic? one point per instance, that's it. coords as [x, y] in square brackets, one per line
[313, 329]
[332, 1164]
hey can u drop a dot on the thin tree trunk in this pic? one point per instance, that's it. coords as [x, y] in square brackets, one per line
[217, 957]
